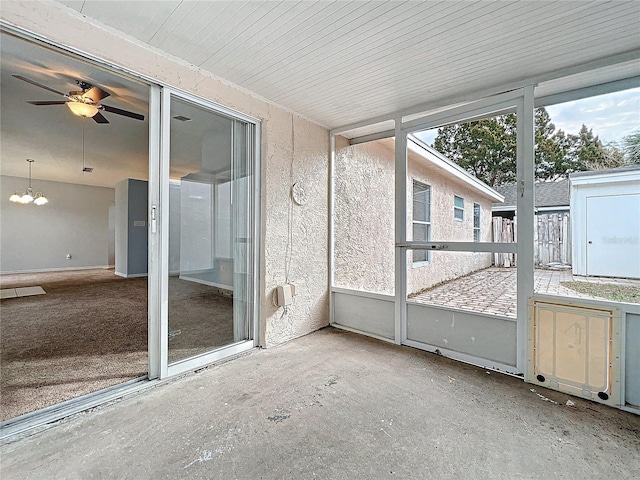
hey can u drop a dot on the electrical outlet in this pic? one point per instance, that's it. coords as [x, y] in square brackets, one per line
[285, 297]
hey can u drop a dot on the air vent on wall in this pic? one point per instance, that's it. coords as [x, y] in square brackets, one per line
[182, 119]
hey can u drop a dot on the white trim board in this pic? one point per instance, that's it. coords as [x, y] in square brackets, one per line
[65, 269]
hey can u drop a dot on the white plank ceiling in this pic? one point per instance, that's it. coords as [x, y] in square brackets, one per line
[339, 62]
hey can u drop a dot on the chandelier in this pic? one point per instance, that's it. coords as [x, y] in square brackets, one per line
[28, 196]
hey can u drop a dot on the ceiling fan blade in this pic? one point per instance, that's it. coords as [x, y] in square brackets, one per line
[96, 94]
[55, 102]
[32, 82]
[99, 118]
[126, 113]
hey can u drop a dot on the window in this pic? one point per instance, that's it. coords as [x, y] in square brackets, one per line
[476, 222]
[458, 208]
[421, 220]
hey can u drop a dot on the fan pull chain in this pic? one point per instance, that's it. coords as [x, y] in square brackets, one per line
[83, 122]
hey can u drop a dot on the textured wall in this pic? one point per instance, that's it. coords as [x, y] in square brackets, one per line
[364, 225]
[299, 157]
[309, 259]
[364, 213]
[447, 265]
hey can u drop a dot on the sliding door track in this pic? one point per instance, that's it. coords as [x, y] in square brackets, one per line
[54, 413]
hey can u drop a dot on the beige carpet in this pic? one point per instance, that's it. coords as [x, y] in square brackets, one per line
[90, 332]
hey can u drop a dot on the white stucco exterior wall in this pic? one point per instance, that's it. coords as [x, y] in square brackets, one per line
[309, 264]
[364, 213]
[446, 265]
[364, 223]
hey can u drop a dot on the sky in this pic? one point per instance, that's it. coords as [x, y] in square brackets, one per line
[610, 116]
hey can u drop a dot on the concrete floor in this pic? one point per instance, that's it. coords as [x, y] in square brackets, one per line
[335, 405]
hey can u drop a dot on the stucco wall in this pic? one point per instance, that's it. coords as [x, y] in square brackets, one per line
[309, 266]
[364, 224]
[447, 265]
[364, 213]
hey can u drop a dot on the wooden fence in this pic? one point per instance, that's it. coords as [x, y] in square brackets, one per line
[552, 239]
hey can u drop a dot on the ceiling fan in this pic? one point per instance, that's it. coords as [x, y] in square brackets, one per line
[84, 103]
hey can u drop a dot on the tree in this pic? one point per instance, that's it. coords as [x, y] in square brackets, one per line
[587, 150]
[487, 148]
[552, 148]
[631, 147]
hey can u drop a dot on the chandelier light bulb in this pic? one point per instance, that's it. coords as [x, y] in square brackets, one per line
[28, 196]
[40, 199]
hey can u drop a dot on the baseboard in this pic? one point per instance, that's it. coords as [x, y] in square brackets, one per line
[133, 275]
[66, 269]
[206, 282]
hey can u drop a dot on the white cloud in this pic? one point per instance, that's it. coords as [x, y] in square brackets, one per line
[610, 116]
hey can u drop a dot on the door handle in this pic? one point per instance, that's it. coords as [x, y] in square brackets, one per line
[589, 242]
[154, 220]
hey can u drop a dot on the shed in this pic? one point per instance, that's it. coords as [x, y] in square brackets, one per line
[605, 219]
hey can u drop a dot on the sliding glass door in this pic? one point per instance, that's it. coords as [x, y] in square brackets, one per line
[209, 231]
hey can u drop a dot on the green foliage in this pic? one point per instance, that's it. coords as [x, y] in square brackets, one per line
[631, 148]
[487, 149]
[626, 152]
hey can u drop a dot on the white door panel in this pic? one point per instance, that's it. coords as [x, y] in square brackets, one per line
[613, 236]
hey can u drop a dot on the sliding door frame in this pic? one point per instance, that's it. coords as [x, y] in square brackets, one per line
[160, 341]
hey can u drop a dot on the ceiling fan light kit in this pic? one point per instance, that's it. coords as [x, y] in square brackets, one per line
[28, 196]
[82, 109]
[84, 103]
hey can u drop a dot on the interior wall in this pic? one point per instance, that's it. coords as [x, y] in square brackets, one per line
[282, 163]
[132, 252]
[75, 222]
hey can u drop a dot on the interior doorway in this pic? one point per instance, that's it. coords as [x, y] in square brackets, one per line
[86, 328]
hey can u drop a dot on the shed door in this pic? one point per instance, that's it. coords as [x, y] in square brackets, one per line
[613, 236]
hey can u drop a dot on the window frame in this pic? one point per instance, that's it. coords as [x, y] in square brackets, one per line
[457, 208]
[476, 229]
[426, 187]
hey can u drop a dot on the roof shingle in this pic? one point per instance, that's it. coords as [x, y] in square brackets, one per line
[547, 194]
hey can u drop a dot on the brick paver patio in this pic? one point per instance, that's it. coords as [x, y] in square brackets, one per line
[493, 290]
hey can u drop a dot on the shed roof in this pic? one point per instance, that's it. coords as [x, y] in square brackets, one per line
[592, 173]
[547, 194]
